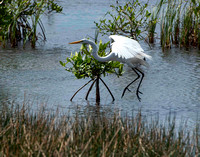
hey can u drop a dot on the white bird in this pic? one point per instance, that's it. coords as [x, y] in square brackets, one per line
[124, 50]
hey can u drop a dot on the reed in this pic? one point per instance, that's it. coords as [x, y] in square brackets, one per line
[35, 21]
[153, 21]
[24, 133]
[180, 24]
[167, 23]
[190, 25]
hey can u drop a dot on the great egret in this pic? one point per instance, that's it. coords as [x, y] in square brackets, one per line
[124, 50]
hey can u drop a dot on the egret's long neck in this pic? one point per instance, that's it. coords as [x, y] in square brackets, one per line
[95, 53]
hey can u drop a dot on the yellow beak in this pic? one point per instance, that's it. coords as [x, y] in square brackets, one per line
[76, 42]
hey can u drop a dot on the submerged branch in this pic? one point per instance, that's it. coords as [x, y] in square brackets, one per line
[107, 89]
[86, 97]
[80, 89]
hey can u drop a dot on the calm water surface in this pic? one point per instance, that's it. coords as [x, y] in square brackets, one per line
[172, 83]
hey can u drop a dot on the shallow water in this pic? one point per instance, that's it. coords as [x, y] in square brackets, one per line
[171, 83]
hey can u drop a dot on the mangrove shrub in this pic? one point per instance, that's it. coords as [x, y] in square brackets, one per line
[83, 65]
[129, 19]
[19, 20]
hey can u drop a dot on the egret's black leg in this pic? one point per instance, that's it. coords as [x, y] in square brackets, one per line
[126, 88]
[137, 91]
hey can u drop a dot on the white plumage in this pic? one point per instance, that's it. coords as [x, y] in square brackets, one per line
[129, 51]
[125, 47]
[124, 50]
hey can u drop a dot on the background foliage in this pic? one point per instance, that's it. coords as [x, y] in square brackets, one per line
[127, 19]
[19, 20]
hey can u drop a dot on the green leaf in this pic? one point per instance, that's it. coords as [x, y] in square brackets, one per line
[63, 64]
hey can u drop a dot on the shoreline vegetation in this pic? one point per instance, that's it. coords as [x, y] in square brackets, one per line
[27, 133]
[178, 20]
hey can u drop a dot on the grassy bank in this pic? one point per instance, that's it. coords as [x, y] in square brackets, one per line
[23, 133]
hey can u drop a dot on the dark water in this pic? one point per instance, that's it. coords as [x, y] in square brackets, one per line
[171, 83]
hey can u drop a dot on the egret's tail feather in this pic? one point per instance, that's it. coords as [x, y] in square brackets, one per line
[146, 56]
[145, 64]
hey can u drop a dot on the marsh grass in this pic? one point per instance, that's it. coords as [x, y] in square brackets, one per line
[24, 133]
[180, 24]
[191, 25]
[153, 21]
[168, 19]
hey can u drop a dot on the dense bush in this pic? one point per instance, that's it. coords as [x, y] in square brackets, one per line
[19, 20]
[129, 19]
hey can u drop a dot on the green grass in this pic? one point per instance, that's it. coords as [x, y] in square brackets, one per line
[24, 133]
[153, 21]
[179, 23]
[190, 25]
[169, 20]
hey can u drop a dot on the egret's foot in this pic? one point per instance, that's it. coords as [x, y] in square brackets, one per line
[140, 92]
[137, 93]
[123, 93]
[128, 89]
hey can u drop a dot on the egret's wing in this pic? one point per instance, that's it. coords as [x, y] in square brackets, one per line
[126, 48]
